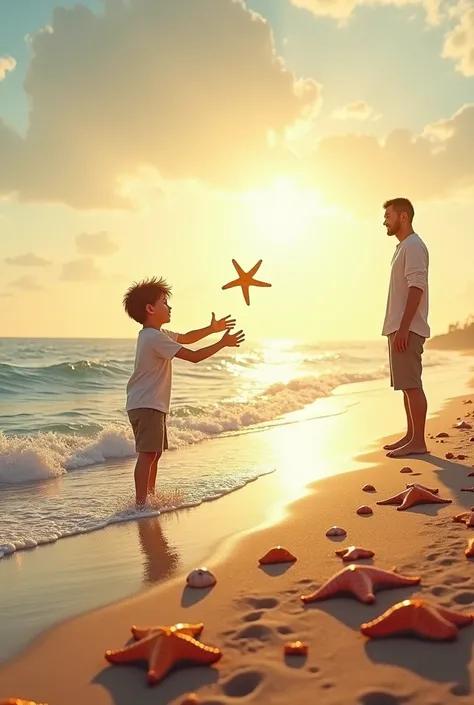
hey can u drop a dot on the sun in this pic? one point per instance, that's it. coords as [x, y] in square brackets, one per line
[284, 211]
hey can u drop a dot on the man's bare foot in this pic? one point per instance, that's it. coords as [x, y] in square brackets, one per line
[408, 449]
[398, 444]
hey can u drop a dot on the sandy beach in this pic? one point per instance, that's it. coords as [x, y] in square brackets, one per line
[253, 611]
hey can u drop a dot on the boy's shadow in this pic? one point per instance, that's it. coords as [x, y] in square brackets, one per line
[160, 561]
[454, 476]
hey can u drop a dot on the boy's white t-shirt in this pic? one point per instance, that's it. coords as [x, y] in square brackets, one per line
[149, 387]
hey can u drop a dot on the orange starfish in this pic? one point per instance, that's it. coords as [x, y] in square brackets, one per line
[469, 552]
[433, 490]
[360, 580]
[412, 496]
[245, 279]
[353, 553]
[465, 518]
[189, 629]
[419, 618]
[164, 649]
[18, 701]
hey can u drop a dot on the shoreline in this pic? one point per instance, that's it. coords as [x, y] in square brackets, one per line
[140, 556]
[235, 566]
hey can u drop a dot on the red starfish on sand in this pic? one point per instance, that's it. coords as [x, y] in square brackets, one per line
[419, 618]
[412, 496]
[245, 279]
[469, 552]
[465, 518]
[353, 553]
[165, 648]
[360, 580]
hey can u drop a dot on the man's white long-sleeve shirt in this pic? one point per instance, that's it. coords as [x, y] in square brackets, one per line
[410, 265]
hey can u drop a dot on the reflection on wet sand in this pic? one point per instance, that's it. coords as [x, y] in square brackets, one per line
[160, 561]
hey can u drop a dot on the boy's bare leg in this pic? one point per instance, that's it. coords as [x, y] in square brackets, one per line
[152, 474]
[142, 473]
[409, 434]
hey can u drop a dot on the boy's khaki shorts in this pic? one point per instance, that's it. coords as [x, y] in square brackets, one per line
[406, 367]
[149, 429]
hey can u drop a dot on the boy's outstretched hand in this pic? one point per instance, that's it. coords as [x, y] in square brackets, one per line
[233, 340]
[218, 325]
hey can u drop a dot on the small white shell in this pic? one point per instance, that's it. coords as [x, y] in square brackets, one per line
[201, 578]
[336, 531]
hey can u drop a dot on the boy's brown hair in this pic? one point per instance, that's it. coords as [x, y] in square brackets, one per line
[145, 292]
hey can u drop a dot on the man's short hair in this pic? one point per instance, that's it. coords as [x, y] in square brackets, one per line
[140, 294]
[401, 205]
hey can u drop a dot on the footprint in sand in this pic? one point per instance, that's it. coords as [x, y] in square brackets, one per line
[258, 632]
[252, 616]
[464, 598]
[242, 684]
[381, 697]
[262, 603]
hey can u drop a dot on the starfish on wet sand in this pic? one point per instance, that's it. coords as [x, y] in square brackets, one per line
[412, 496]
[360, 580]
[353, 553]
[418, 618]
[246, 280]
[164, 649]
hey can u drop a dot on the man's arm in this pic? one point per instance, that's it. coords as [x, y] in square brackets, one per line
[416, 274]
[411, 307]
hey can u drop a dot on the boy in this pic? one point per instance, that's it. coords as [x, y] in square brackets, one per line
[149, 387]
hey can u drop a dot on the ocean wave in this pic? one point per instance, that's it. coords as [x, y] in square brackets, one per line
[49, 455]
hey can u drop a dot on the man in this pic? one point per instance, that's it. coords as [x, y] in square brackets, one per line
[406, 323]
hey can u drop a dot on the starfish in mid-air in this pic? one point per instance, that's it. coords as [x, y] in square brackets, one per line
[246, 280]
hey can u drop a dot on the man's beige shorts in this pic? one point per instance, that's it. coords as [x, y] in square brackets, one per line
[406, 367]
[149, 429]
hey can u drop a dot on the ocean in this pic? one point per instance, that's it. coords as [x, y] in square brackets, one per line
[65, 439]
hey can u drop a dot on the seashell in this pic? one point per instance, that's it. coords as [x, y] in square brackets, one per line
[277, 554]
[406, 469]
[191, 699]
[461, 457]
[467, 489]
[296, 647]
[463, 424]
[336, 531]
[449, 456]
[201, 578]
[433, 490]
[443, 434]
[368, 488]
[364, 510]
[472, 439]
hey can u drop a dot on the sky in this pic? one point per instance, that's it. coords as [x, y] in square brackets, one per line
[167, 137]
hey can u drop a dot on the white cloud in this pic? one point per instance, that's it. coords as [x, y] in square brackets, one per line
[110, 94]
[7, 63]
[359, 171]
[28, 260]
[99, 244]
[27, 283]
[459, 42]
[356, 110]
[343, 9]
[80, 270]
